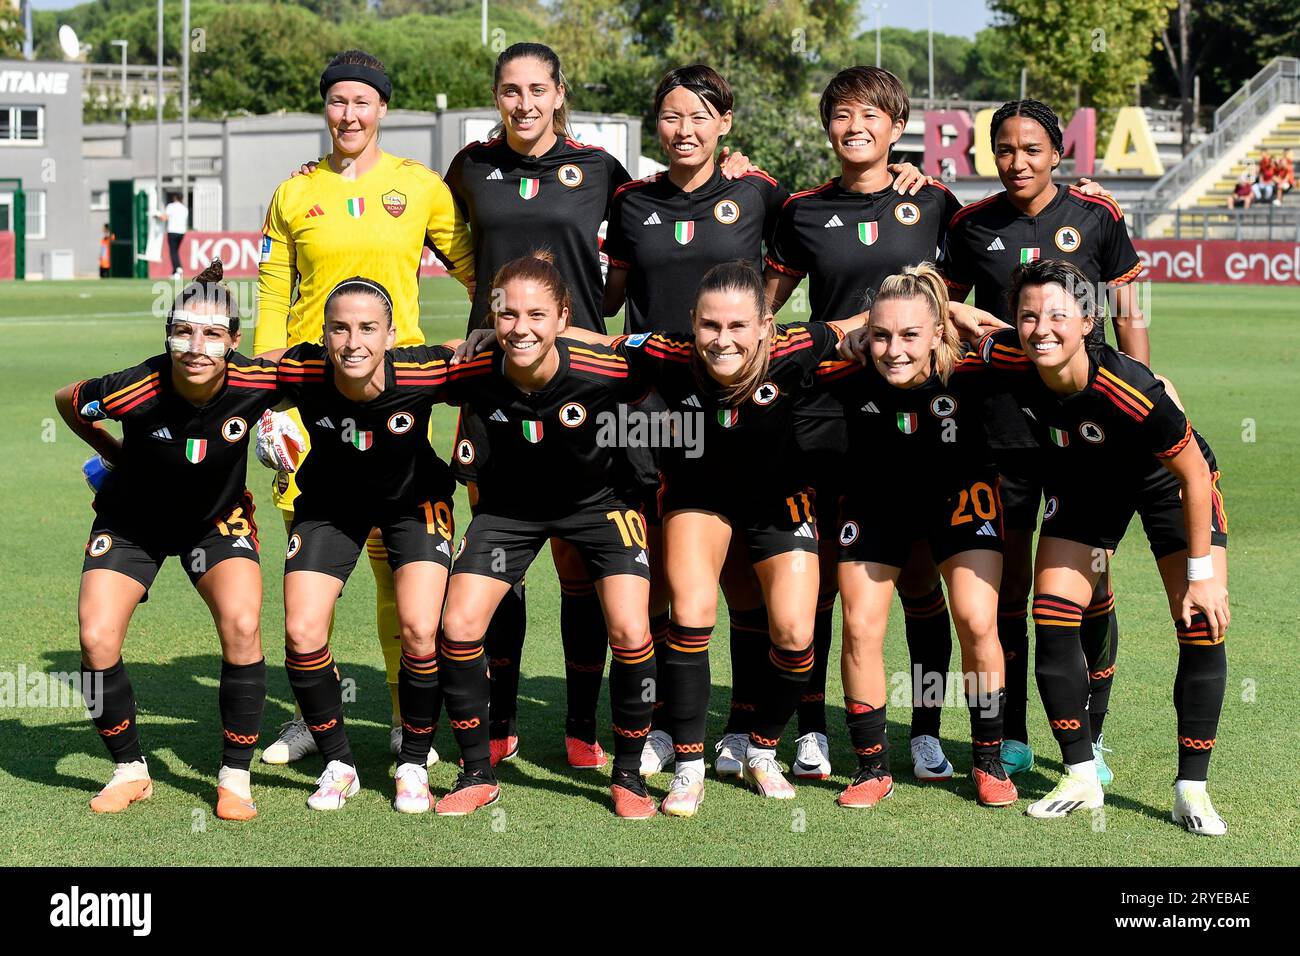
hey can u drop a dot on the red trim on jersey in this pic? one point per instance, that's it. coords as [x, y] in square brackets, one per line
[138, 399]
[574, 143]
[1121, 401]
[605, 370]
[808, 192]
[1108, 204]
[1129, 276]
[634, 183]
[768, 260]
[762, 175]
[966, 210]
[663, 350]
[829, 371]
[617, 263]
[1179, 446]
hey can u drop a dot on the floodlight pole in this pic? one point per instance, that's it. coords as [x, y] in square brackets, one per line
[123, 45]
[485, 3]
[158, 112]
[930, 30]
[879, 7]
[185, 106]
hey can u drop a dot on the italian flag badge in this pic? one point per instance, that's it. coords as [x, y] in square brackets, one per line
[528, 188]
[727, 417]
[356, 207]
[907, 423]
[1059, 438]
[363, 440]
[532, 432]
[1029, 255]
[196, 449]
[684, 232]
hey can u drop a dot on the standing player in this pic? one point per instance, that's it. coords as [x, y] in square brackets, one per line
[186, 416]
[1096, 411]
[914, 427]
[359, 210]
[372, 467]
[1035, 218]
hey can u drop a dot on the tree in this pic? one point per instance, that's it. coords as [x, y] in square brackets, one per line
[11, 34]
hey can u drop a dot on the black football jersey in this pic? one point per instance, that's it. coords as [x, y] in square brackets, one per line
[516, 204]
[373, 453]
[1115, 430]
[746, 450]
[542, 455]
[668, 239]
[182, 465]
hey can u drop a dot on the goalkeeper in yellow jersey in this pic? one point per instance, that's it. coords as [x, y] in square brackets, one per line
[360, 211]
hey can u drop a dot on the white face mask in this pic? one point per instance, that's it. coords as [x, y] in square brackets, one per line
[197, 341]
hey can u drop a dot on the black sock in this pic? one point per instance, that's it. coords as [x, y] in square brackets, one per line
[419, 697]
[582, 632]
[315, 682]
[111, 703]
[1198, 695]
[812, 701]
[466, 691]
[1100, 637]
[929, 644]
[631, 701]
[787, 679]
[1013, 635]
[867, 734]
[684, 669]
[241, 698]
[986, 726]
[1062, 674]
[504, 642]
[749, 643]
[659, 634]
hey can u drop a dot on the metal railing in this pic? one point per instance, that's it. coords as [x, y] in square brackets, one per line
[1263, 223]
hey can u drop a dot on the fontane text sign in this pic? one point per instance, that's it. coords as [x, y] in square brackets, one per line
[34, 81]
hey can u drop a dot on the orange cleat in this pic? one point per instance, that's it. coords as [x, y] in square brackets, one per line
[503, 748]
[993, 788]
[231, 806]
[868, 788]
[584, 756]
[472, 791]
[631, 799]
[130, 783]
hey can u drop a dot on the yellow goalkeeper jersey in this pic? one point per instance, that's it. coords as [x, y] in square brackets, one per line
[322, 229]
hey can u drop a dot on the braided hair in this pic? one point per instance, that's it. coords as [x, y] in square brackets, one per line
[1035, 110]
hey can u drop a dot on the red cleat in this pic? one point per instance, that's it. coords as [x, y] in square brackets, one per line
[584, 756]
[993, 790]
[503, 748]
[869, 787]
[632, 801]
[471, 792]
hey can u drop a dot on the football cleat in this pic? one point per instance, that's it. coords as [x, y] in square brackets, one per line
[993, 788]
[130, 782]
[294, 743]
[731, 755]
[1194, 811]
[928, 761]
[812, 759]
[763, 774]
[657, 755]
[234, 795]
[503, 748]
[335, 786]
[632, 801]
[395, 746]
[583, 755]
[685, 793]
[472, 791]
[412, 789]
[1105, 776]
[870, 785]
[1017, 757]
[1072, 793]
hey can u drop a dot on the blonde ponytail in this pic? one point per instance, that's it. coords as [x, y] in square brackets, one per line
[925, 282]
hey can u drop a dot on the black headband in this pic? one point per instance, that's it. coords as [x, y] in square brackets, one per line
[358, 284]
[362, 74]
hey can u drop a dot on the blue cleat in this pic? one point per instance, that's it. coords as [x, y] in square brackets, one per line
[1017, 757]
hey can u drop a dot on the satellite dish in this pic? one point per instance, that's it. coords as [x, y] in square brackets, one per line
[68, 43]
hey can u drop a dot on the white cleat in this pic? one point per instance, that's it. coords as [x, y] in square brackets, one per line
[395, 746]
[731, 755]
[812, 759]
[685, 793]
[928, 760]
[334, 786]
[412, 789]
[294, 743]
[1072, 793]
[657, 755]
[764, 775]
[1194, 811]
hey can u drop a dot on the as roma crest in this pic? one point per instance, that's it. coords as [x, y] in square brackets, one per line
[394, 202]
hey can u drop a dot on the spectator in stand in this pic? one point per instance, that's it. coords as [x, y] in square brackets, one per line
[1265, 187]
[1285, 174]
[1243, 194]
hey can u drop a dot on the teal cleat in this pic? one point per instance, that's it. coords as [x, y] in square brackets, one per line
[1104, 774]
[1017, 757]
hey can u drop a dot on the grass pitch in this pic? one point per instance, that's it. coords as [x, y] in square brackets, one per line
[1232, 352]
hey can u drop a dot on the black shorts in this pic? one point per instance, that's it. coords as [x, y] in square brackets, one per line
[771, 526]
[118, 545]
[826, 473]
[331, 545]
[963, 516]
[1079, 512]
[610, 538]
[1021, 485]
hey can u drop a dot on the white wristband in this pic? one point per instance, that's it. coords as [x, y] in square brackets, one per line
[1200, 569]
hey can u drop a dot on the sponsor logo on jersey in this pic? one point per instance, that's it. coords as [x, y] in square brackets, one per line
[652, 220]
[996, 245]
[242, 543]
[571, 416]
[569, 175]
[986, 531]
[444, 548]
[325, 423]
[99, 545]
[635, 341]
[1029, 254]
[849, 532]
[532, 432]
[363, 441]
[692, 401]
[943, 406]
[528, 188]
[495, 174]
[233, 429]
[400, 423]
[394, 203]
[870, 408]
[684, 232]
[907, 423]
[92, 412]
[1091, 431]
[1059, 438]
[196, 449]
[281, 483]
[1029, 413]
[498, 416]
[805, 531]
[726, 211]
[464, 455]
[356, 207]
[727, 417]
[1049, 509]
[314, 211]
[766, 394]
[642, 558]
[266, 249]
[162, 434]
[295, 543]
[1067, 239]
[832, 222]
[908, 213]
[868, 233]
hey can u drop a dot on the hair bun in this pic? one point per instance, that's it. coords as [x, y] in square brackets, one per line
[545, 255]
[212, 273]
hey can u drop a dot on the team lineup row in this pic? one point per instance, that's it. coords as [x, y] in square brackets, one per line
[968, 437]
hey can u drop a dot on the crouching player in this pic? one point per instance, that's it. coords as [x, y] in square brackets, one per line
[1095, 411]
[366, 408]
[914, 428]
[175, 487]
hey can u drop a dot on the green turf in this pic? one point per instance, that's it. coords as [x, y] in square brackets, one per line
[1232, 351]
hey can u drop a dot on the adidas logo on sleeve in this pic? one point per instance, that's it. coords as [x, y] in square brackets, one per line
[996, 245]
[834, 221]
[652, 220]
